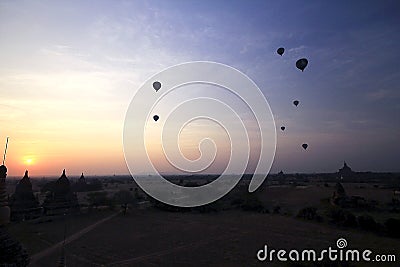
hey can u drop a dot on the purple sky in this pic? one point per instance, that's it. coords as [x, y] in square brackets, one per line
[68, 70]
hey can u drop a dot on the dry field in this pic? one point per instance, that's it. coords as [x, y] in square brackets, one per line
[292, 198]
[153, 237]
[228, 238]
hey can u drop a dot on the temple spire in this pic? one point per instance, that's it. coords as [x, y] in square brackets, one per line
[4, 209]
[11, 251]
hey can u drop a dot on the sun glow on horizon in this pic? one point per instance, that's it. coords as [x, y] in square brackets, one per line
[28, 161]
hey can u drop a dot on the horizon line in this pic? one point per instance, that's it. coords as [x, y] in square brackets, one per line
[202, 174]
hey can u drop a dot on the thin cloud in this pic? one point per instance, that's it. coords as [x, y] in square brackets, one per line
[297, 49]
[381, 94]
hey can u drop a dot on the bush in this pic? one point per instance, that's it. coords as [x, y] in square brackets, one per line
[309, 213]
[342, 217]
[252, 203]
[277, 210]
[368, 223]
[97, 199]
[124, 198]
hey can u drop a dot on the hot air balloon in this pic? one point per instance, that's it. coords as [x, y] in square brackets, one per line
[280, 51]
[304, 146]
[283, 128]
[155, 117]
[296, 102]
[301, 64]
[156, 85]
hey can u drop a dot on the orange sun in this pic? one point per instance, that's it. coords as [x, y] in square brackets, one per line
[28, 161]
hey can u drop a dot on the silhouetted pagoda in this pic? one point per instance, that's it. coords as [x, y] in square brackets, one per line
[11, 251]
[81, 185]
[61, 199]
[23, 203]
[82, 180]
[345, 171]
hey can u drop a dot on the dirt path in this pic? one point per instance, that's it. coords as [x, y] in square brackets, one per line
[68, 240]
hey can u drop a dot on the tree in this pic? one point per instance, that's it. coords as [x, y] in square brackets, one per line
[138, 196]
[124, 198]
[97, 199]
[252, 203]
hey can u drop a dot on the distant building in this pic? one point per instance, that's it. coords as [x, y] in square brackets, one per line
[23, 203]
[61, 199]
[81, 185]
[82, 180]
[345, 171]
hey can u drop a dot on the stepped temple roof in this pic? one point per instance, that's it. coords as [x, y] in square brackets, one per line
[345, 171]
[61, 199]
[23, 203]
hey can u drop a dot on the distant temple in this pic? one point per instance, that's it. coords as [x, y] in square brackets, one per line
[82, 180]
[23, 203]
[81, 185]
[61, 199]
[345, 171]
[11, 251]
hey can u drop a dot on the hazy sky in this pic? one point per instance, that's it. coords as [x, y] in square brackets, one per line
[68, 70]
